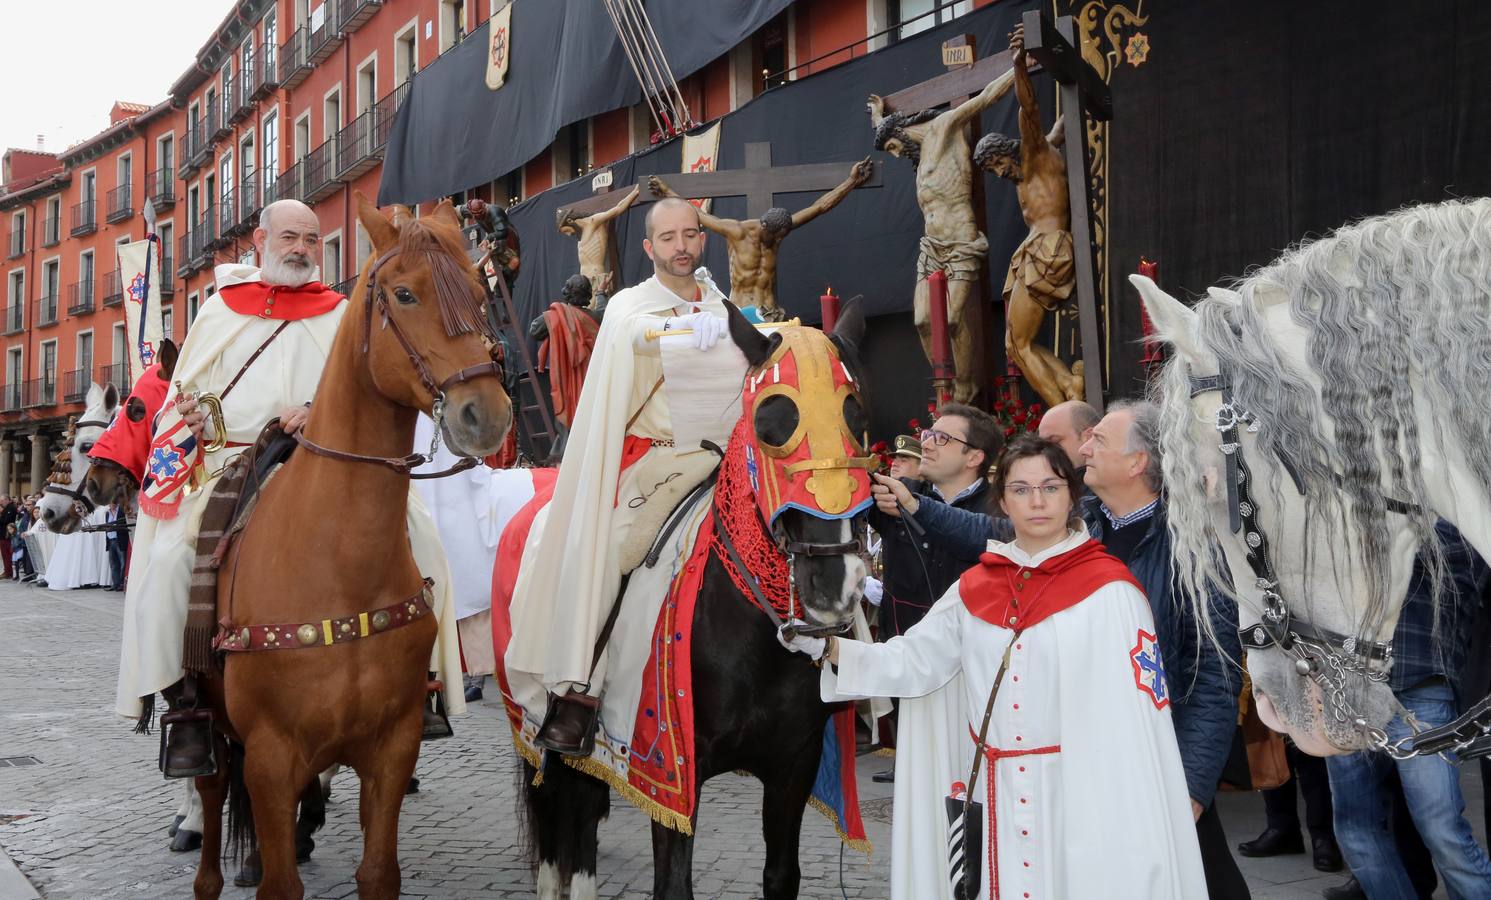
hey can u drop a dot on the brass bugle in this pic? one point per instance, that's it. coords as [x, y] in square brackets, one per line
[653, 334]
[213, 408]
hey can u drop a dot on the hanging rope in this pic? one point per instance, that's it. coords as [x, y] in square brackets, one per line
[650, 65]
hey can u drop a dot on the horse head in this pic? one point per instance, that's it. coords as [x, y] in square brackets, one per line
[65, 506]
[1315, 550]
[806, 425]
[421, 282]
[118, 458]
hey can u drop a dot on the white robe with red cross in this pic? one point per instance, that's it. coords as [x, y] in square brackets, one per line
[1083, 791]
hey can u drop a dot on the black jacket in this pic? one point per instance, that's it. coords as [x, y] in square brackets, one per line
[910, 589]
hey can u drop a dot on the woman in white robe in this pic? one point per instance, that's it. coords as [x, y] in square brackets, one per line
[80, 558]
[1083, 793]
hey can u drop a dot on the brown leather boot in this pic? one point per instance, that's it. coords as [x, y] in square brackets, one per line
[186, 750]
[436, 722]
[569, 724]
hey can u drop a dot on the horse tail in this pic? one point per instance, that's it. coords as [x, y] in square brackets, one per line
[563, 812]
[240, 810]
[523, 813]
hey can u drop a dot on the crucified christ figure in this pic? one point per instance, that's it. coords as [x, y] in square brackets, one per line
[1042, 273]
[594, 232]
[753, 243]
[937, 144]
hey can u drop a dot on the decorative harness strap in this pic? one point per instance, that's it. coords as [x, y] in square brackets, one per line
[298, 635]
[78, 496]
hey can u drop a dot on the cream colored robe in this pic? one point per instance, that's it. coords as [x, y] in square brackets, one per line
[578, 551]
[155, 601]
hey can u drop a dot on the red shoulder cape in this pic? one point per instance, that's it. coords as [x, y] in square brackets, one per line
[1004, 593]
[278, 301]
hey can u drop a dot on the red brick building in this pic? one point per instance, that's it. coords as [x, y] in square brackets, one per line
[292, 98]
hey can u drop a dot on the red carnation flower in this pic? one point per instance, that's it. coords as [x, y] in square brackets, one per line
[1009, 432]
[915, 423]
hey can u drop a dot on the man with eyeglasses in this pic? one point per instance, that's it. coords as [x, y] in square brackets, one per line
[955, 452]
[1127, 514]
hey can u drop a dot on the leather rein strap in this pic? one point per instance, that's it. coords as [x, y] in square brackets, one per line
[404, 465]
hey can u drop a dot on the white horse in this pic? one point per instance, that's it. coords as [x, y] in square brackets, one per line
[1353, 373]
[63, 506]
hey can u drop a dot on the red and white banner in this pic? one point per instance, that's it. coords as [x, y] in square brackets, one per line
[700, 152]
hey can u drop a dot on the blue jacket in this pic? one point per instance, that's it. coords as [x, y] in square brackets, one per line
[1203, 683]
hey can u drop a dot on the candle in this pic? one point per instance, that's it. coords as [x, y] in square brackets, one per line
[830, 306]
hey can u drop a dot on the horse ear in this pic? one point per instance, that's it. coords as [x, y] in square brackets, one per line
[755, 345]
[95, 395]
[111, 397]
[380, 230]
[849, 329]
[1174, 322]
[166, 356]
[446, 212]
[1224, 295]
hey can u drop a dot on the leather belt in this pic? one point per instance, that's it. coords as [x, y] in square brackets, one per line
[324, 633]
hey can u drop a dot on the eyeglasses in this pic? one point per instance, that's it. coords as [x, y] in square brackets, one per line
[1022, 491]
[940, 438]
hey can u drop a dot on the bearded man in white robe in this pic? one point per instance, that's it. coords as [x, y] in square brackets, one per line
[289, 319]
[620, 477]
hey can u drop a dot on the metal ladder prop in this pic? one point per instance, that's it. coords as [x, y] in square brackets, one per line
[534, 420]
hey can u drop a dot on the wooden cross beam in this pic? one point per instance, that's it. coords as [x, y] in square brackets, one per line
[1083, 94]
[757, 182]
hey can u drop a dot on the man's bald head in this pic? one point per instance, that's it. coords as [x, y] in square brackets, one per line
[1069, 424]
[669, 207]
[287, 240]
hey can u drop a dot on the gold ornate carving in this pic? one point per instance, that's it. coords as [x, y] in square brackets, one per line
[1110, 36]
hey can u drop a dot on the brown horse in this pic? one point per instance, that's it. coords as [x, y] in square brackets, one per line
[326, 543]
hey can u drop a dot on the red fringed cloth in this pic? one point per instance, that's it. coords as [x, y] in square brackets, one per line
[566, 355]
[735, 506]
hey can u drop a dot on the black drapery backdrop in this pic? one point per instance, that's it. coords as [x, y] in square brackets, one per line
[1255, 125]
[866, 245]
[567, 65]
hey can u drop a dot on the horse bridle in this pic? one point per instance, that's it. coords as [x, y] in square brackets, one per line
[405, 465]
[1325, 656]
[80, 497]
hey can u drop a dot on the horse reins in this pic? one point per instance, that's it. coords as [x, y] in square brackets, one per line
[1323, 655]
[404, 465]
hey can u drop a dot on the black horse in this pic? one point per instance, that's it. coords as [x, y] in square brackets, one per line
[756, 706]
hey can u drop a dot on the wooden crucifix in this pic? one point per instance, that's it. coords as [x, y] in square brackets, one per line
[757, 182]
[1083, 94]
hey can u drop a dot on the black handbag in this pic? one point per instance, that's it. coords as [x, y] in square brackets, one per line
[965, 817]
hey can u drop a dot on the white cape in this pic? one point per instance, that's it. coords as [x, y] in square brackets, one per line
[80, 558]
[1107, 817]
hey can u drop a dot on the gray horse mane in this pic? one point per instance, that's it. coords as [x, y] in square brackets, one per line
[1387, 297]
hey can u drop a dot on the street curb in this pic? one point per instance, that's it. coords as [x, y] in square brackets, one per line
[14, 885]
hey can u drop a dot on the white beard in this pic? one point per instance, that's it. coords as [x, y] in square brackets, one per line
[277, 271]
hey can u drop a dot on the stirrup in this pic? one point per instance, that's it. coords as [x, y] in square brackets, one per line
[168, 723]
[436, 721]
[583, 712]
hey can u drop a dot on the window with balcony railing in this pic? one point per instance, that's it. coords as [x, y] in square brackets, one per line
[17, 244]
[84, 217]
[51, 231]
[15, 319]
[79, 298]
[12, 400]
[114, 288]
[46, 310]
[116, 375]
[167, 276]
[75, 385]
[161, 185]
[119, 204]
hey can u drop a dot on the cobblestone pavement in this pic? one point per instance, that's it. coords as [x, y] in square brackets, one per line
[89, 819]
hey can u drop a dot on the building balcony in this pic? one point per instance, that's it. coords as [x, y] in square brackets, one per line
[258, 77]
[361, 144]
[184, 254]
[160, 188]
[203, 239]
[117, 204]
[84, 218]
[324, 40]
[12, 399]
[114, 288]
[167, 276]
[320, 172]
[117, 375]
[75, 385]
[294, 63]
[199, 141]
[236, 103]
[227, 213]
[345, 287]
[356, 12]
[51, 231]
[248, 205]
[14, 321]
[17, 244]
[218, 126]
[46, 310]
[80, 297]
[285, 184]
[39, 392]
